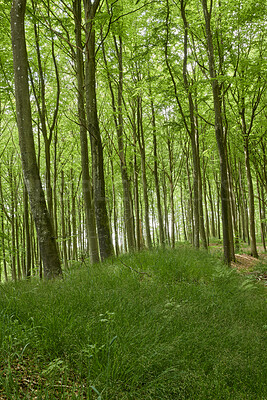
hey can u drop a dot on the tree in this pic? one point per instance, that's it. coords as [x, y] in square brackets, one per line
[86, 181]
[191, 126]
[46, 239]
[149, 101]
[103, 229]
[118, 121]
[219, 135]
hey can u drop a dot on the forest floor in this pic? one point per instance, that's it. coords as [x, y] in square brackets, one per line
[162, 324]
[246, 264]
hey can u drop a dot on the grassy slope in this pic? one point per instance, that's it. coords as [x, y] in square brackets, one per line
[193, 329]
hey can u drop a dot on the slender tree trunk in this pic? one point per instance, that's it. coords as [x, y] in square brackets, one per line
[80, 238]
[42, 114]
[102, 222]
[156, 176]
[68, 224]
[213, 232]
[218, 206]
[47, 242]
[118, 120]
[86, 180]
[55, 161]
[12, 183]
[115, 216]
[125, 180]
[136, 189]
[241, 216]
[192, 132]
[3, 236]
[244, 205]
[191, 225]
[4, 247]
[74, 218]
[262, 214]
[219, 136]
[42, 109]
[206, 206]
[171, 180]
[246, 133]
[63, 227]
[233, 209]
[252, 230]
[17, 235]
[27, 232]
[141, 142]
[166, 211]
[183, 212]
[200, 206]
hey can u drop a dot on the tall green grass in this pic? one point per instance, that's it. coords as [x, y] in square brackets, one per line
[190, 328]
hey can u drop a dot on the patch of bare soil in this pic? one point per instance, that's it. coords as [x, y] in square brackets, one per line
[244, 261]
[247, 264]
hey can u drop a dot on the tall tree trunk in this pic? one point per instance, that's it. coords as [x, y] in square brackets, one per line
[141, 142]
[3, 236]
[233, 209]
[166, 211]
[125, 181]
[136, 186]
[86, 180]
[206, 205]
[183, 212]
[47, 242]
[190, 222]
[63, 226]
[42, 109]
[219, 136]
[68, 227]
[245, 132]
[218, 206]
[73, 217]
[252, 231]
[200, 203]
[118, 120]
[156, 176]
[12, 183]
[262, 213]
[102, 222]
[115, 214]
[17, 233]
[55, 162]
[27, 232]
[171, 180]
[3, 244]
[244, 205]
[192, 132]
[213, 232]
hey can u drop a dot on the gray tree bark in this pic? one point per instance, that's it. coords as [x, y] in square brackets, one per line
[219, 136]
[156, 176]
[45, 234]
[141, 142]
[118, 120]
[102, 221]
[86, 180]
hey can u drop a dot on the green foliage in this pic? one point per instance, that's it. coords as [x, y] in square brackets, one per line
[188, 328]
[239, 45]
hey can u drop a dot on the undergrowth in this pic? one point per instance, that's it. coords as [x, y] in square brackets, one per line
[165, 324]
